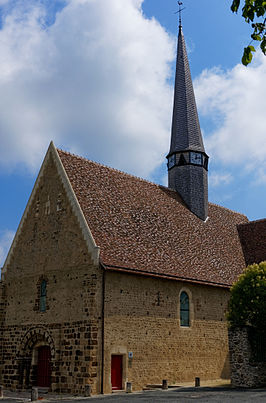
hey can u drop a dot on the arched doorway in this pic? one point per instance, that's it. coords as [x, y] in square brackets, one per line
[44, 367]
[35, 359]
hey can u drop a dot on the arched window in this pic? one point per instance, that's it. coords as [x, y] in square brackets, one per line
[43, 296]
[184, 309]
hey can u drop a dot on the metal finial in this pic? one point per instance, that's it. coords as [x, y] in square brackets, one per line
[179, 12]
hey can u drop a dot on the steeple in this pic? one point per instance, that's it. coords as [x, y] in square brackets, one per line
[187, 160]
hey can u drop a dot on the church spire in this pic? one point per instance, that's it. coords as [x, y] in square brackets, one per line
[187, 160]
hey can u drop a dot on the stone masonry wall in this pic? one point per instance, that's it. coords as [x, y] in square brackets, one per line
[245, 372]
[142, 317]
[74, 356]
[2, 312]
[50, 246]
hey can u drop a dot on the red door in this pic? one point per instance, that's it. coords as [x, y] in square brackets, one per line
[44, 367]
[116, 372]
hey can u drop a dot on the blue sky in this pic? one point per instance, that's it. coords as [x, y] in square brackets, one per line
[96, 77]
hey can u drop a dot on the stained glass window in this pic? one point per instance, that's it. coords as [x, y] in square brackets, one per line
[184, 309]
[43, 296]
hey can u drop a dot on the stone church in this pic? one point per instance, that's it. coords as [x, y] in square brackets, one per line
[113, 279]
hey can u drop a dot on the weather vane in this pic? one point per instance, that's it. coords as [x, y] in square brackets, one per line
[179, 12]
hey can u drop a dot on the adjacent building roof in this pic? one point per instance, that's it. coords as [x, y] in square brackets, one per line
[253, 239]
[145, 228]
[186, 133]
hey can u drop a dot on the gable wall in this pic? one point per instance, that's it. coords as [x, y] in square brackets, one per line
[136, 321]
[51, 246]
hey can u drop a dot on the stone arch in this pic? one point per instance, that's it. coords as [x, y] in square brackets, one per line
[35, 335]
[33, 339]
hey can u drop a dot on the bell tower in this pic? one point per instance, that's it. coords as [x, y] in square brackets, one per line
[187, 160]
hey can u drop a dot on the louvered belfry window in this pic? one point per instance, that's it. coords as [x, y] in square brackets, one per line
[184, 309]
[43, 296]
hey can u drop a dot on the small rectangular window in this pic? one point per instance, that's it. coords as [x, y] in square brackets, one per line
[43, 296]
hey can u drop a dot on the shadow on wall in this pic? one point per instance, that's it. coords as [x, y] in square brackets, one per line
[226, 368]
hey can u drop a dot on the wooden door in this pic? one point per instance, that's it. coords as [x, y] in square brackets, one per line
[44, 367]
[116, 371]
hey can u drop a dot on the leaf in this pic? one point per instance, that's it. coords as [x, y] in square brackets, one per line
[250, 15]
[256, 37]
[260, 7]
[247, 55]
[235, 6]
[260, 11]
[263, 45]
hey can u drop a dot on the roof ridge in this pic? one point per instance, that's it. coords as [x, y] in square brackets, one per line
[228, 209]
[254, 221]
[142, 179]
[116, 170]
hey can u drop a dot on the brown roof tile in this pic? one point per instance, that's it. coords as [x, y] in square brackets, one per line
[146, 227]
[253, 239]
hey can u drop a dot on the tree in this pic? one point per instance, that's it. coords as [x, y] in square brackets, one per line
[253, 11]
[247, 304]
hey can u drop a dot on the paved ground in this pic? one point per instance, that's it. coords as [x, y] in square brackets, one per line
[179, 395]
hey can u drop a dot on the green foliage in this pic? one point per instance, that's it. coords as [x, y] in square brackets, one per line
[247, 55]
[253, 12]
[247, 304]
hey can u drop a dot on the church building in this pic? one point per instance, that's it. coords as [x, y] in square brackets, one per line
[113, 279]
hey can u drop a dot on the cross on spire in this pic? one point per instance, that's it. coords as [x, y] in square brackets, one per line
[179, 12]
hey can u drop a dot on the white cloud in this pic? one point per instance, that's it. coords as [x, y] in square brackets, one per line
[95, 81]
[235, 100]
[260, 178]
[218, 179]
[6, 238]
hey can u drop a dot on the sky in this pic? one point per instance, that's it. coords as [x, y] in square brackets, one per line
[97, 77]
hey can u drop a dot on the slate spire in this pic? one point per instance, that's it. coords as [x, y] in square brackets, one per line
[186, 132]
[187, 160]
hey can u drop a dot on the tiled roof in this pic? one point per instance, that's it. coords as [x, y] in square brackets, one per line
[186, 133]
[253, 239]
[143, 227]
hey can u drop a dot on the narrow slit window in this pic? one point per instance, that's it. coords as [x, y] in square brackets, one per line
[184, 309]
[43, 296]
